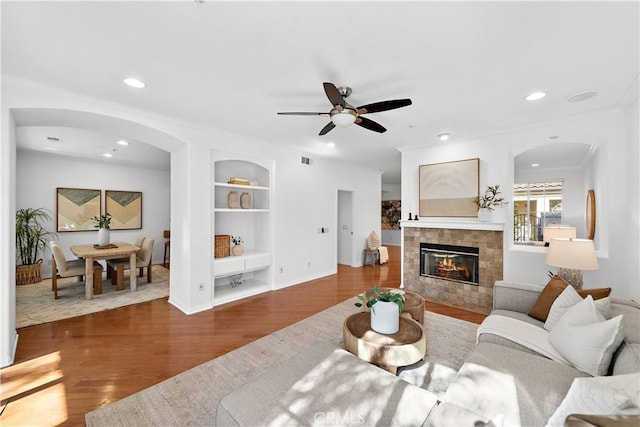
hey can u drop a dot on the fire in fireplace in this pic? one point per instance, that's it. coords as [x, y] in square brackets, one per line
[449, 262]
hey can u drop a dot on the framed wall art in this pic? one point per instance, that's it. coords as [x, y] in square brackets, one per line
[75, 207]
[449, 189]
[125, 208]
[391, 214]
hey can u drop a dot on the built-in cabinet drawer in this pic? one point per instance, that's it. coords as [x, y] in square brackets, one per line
[253, 262]
[239, 264]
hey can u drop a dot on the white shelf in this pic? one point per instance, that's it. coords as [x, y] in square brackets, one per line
[225, 293]
[255, 225]
[239, 210]
[239, 186]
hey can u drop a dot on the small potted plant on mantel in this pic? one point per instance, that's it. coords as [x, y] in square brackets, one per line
[385, 309]
[488, 202]
[103, 224]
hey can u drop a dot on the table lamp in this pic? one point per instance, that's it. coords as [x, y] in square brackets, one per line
[572, 256]
[557, 231]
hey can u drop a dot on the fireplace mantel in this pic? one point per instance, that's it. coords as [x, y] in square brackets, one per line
[454, 225]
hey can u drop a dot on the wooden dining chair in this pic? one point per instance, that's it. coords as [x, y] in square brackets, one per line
[144, 258]
[61, 267]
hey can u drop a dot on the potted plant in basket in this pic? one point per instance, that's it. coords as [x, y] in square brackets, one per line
[103, 224]
[488, 202]
[31, 239]
[386, 307]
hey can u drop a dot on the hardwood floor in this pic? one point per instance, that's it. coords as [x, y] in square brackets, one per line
[67, 368]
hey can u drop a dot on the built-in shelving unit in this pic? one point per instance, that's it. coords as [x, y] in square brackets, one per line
[253, 223]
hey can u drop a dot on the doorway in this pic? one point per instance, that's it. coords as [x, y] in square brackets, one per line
[345, 227]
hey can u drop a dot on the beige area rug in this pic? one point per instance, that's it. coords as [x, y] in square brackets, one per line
[35, 303]
[190, 397]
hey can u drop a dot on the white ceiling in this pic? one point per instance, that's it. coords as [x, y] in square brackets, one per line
[233, 65]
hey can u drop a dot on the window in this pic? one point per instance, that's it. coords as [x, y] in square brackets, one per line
[535, 205]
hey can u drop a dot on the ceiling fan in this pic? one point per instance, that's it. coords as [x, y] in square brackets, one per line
[344, 114]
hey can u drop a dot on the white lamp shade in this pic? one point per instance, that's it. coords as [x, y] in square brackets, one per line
[575, 254]
[558, 231]
[343, 119]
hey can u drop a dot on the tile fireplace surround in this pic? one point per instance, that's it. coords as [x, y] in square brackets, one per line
[488, 237]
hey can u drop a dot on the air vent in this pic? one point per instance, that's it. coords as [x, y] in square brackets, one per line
[305, 160]
[54, 139]
[583, 96]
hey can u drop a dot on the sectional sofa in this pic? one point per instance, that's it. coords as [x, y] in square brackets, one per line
[522, 371]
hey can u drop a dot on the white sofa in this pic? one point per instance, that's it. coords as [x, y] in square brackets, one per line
[502, 383]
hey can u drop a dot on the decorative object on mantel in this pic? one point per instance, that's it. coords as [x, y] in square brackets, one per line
[415, 217]
[222, 246]
[237, 248]
[238, 181]
[449, 189]
[245, 200]
[409, 217]
[488, 202]
[236, 280]
[103, 224]
[385, 309]
[233, 200]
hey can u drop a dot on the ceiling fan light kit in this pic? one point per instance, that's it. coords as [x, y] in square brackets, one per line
[344, 118]
[344, 114]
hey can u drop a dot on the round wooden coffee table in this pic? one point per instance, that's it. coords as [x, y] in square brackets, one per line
[403, 348]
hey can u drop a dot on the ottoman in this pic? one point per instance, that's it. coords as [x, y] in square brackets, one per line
[325, 386]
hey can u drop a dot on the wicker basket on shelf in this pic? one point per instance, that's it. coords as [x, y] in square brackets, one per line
[222, 247]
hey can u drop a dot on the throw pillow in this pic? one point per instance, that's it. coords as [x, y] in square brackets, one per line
[567, 299]
[551, 291]
[585, 340]
[373, 241]
[615, 395]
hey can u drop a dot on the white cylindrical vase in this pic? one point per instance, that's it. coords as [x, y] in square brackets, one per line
[485, 215]
[103, 237]
[385, 317]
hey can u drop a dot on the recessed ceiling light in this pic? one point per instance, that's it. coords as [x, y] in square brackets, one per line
[582, 96]
[444, 136]
[123, 142]
[331, 144]
[108, 155]
[134, 83]
[535, 165]
[554, 137]
[535, 96]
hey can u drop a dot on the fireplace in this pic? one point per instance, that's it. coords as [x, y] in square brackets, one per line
[450, 262]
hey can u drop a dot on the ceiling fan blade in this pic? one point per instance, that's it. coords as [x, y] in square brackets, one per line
[327, 128]
[302, 113]
[384, 106]
[333, 94]
[370, 124]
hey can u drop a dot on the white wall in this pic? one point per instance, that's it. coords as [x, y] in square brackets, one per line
[39, 174]
[393, 192]
[305, 199]
[608, 131]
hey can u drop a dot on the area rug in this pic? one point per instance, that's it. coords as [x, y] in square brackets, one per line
[35, 304]
[190, 397]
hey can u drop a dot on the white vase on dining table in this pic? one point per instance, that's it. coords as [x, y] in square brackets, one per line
[103, 236]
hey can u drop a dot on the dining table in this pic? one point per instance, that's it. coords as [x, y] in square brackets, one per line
[92, 253]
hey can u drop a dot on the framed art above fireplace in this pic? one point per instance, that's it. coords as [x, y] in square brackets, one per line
[449, 189]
